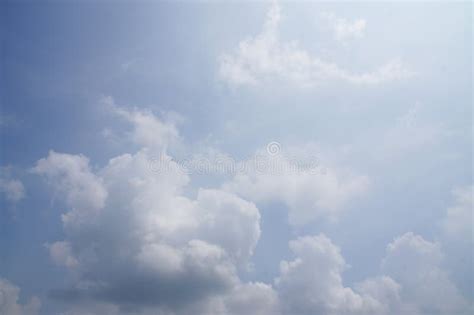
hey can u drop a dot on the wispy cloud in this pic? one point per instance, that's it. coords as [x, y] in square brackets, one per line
[344, 29]
[266, 57]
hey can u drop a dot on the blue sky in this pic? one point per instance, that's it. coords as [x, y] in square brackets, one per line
[346, 130]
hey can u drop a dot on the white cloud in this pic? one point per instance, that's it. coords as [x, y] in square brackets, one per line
[386, 292]
[230, 222]
[459, 218]
[9, 295]
[265, 57]
[413, 281]
[251, 298]
[310, 192]
[312, 282]
[152, 248]
[11, 188]
[343, 29]
[135, 239]
[148, 131]
[71, 176]
[416, 264]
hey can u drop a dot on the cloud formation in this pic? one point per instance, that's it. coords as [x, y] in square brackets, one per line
[266, 57]
[134, 238]
[412, 281]
[310, 193]
[312, 282]
[12, 189]
[137, 242]
[417, 265]
[147, 131]
[9, 304]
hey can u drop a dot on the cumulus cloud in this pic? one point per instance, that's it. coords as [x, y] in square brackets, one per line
[412, 281]
[417, 265]
[9, 304]
[312, 282]
[310, 192]
[148, 131]
[344, 29]
[152, 250]
[136, 240]
[245, 298]
[12, 189]
[266, 56]
[70, 175]
[384, 292]
[252, 298]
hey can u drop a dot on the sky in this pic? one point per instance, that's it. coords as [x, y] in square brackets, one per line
[231, 158]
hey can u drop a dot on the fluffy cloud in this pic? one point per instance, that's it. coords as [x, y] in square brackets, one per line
[265, 57]
[136, 240]
[12, 189]
[309, 192]
[139, 242]
[148, 131]
[312, 282]
[71, 176]
[417, 265]
[384, 292]
[9, 305]
[413, 281]
[249, 298]
[252, 298]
